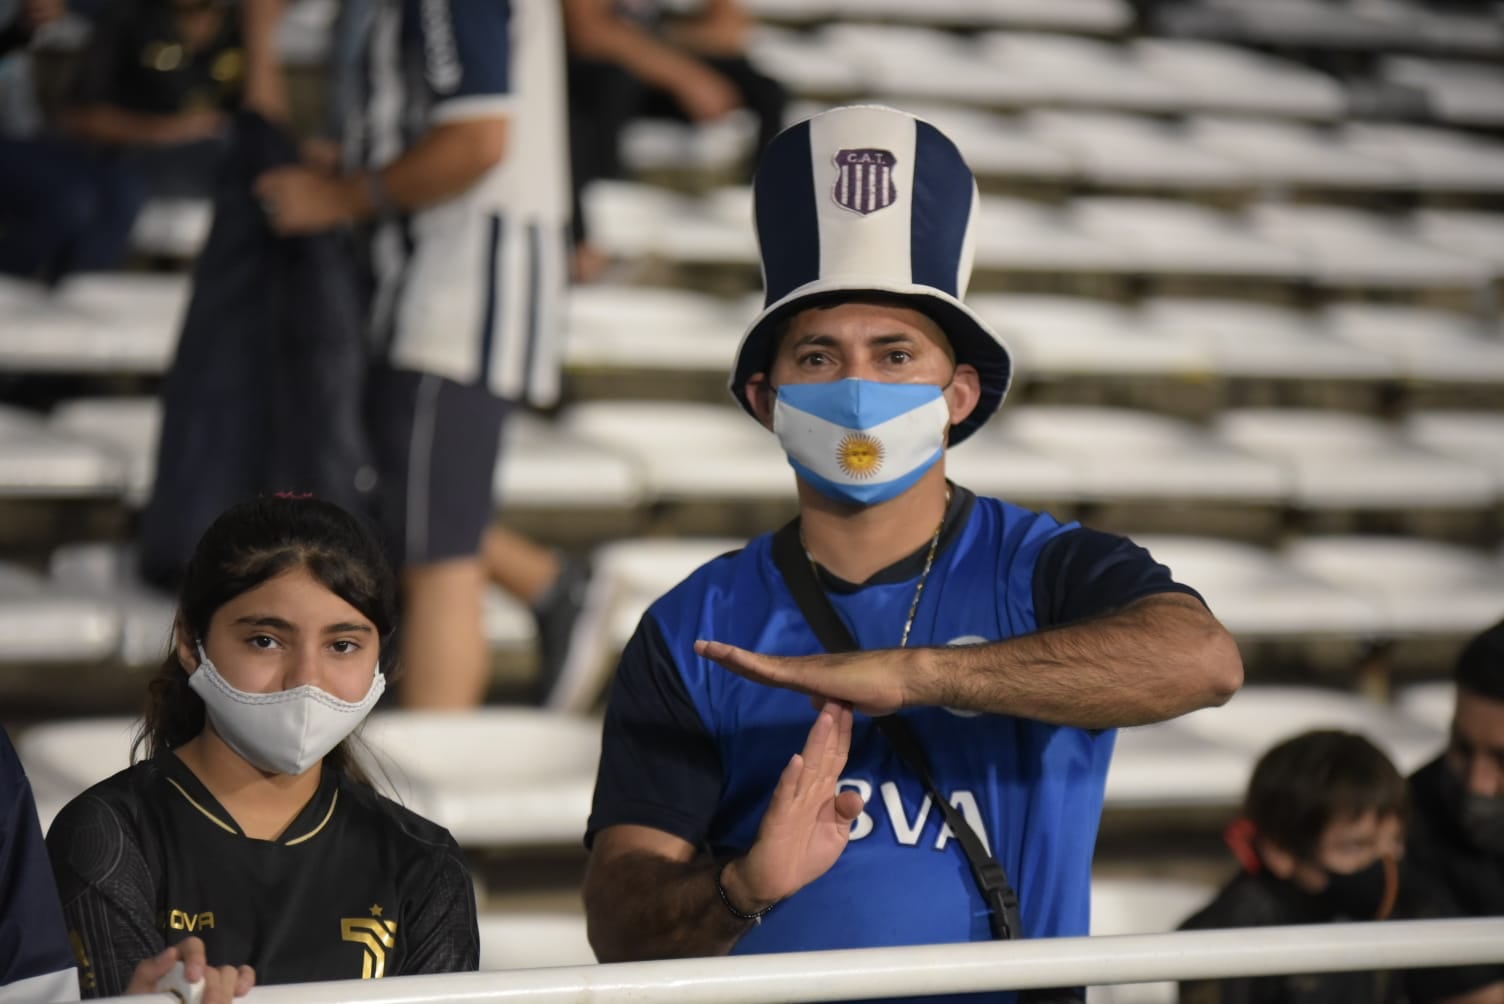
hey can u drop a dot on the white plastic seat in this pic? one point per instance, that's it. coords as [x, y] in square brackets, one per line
[1315, 24]
[991, 464]
[1425, 344]
[1339, 461]
[1257, 717]
[649, 144]
[627, 218]
[41, 623]
[93, 324]
[898, 60]
[524, 940]
[38, 462]
[1471, 234]
[1165, 236]
[998, 145]
[1020, 235]
[1470, 94]
[1244, 339]
[107, 574]
[1439, 160]
[533, 785]
[1208, 76]
[633, 327]
[1257, 594]
[803, 62]
[1121, 453]
[127, 427]
[543, 466]
[1348, 247]
[173, 228]
[1430, 704]
[1066, 70]
[1141, 906]
[1133, 151]
[1475, 438]
[644, 569]
[1166, 766]
[1419, 587]
[63, 758]
[1063, 336]
[1288, 153]
[687, 451]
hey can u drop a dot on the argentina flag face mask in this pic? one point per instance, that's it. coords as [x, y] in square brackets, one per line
[860, 441]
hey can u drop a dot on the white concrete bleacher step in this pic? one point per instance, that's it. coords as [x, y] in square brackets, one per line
[1431, 703]
[802, 61]
[1135, 151]
[1290, 153]
[1027, 236]
[44, 623]
[1166, 236]
[1259, 595]
[1212, 77]
[1471, 234]
[1459, 92]
[1122, 453]
[1070, 71]
[106, 324]
[173, 228]
[1061, 337]
[1345, 461]
[39, 462]
[1426, 345]
[1349, 247]
[650, 144]
[1476, 438]
[1421, 588]
[1439, 160]
[896, 61]
[643, 569]
[637, 327]
[1245, 339]
[129, 428]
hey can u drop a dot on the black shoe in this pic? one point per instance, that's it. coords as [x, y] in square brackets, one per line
[572, 639]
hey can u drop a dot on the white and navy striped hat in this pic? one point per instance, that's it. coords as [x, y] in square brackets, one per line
[870, 199]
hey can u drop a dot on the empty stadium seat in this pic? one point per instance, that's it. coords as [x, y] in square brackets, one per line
[1476, 438]
[1439, 160]
[173, 228]
[1071, 71]
[101, 324]
[107, 574]
[1133, 151]
[656, 144]
[1470, 234]
[127, 427]
[1174, 237]
[1295, 154]
[1167, 766]
[1431, 704]
[1260, 716]
[38, 462]
[1018, 235]
[1427, 345]
[544, 467]
[1345, 461]
[1419, 587]
[1056, 337]
[42, 623]
[63, 758]
[1211, 77]
[646, 568]
[1464, 93]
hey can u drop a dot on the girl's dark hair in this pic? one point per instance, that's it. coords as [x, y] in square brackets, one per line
[247, 545]
[1302, 785]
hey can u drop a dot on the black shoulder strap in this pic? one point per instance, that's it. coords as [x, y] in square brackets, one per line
[793, 564]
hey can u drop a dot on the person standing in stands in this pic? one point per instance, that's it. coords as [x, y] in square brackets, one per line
[249, 842]
[1457, 828]
[952, 665]
[36, 964]
[456, 173]
[1322, 839]
[626, 60]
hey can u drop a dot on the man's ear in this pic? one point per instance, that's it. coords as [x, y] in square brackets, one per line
[762, 396]
[1280, 862]
[964, 392]
[185, 645]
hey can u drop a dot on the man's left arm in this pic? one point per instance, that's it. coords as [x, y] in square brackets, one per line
[1119, 643]
[467, 65]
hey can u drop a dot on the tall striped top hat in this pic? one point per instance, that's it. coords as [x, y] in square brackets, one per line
[867, 199]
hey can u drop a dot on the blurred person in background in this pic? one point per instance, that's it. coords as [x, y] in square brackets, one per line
[249, 843]
[628, 60]
[1322, 839]
[36, 963]
[1457, 825]
[455, 172]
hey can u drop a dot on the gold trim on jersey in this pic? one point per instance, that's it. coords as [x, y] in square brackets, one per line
[211, 816]
[377, 937]
[322, 823]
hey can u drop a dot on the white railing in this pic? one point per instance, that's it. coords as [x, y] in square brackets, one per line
[937, 969]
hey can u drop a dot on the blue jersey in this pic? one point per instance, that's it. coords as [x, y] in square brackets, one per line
[1034, 791]
[36, 962]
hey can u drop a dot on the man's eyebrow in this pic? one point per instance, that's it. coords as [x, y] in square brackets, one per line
[820, 340]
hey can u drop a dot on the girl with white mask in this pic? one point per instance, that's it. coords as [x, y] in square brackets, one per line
[247, 843]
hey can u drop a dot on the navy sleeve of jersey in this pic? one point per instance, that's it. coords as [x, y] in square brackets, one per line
[1084, 573]
[107, 892]
[34, 939]
[442, 935]
[659, 766]
[467, 57]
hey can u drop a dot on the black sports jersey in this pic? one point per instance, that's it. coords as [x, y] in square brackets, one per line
[356, 886]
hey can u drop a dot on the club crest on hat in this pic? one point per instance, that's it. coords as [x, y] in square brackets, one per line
[859, 455]
[865, 182]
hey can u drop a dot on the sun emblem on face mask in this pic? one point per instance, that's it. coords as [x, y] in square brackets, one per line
[859, 455]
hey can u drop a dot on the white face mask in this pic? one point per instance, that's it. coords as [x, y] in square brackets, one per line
[285, 732]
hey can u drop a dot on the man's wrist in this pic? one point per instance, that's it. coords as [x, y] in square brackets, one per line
[737, 898]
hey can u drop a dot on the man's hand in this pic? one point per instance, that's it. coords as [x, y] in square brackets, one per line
[807, 824]
[704, 94]
[222, 984]
[875, 683]
[300, 200]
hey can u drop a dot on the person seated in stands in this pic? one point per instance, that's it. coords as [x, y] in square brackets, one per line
[36, 964]
[627, 60]
[249, 840]
[1321, 840]
[1457, 821]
